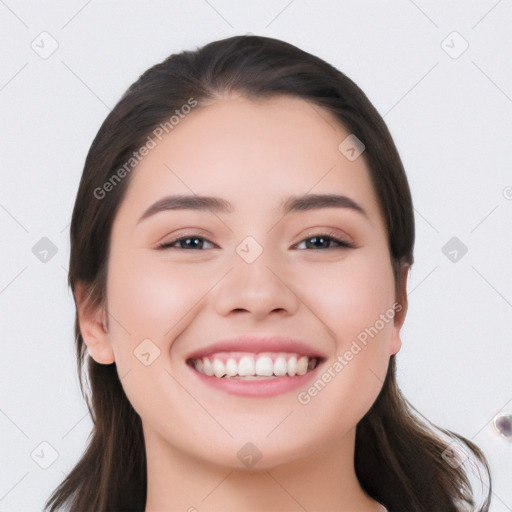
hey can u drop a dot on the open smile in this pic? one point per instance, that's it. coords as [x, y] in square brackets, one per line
[256, 365]
[250, 366]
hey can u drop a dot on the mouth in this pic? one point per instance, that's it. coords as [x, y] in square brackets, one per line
[256, 366]
[251, 366]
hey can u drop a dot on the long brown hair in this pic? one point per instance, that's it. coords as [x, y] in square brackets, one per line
[399, 458]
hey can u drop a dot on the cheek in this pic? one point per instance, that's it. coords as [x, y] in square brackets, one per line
[150, 298]
[355, 304]
[148, 302]
[352, 296]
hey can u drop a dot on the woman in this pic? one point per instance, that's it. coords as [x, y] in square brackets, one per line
[240, 246]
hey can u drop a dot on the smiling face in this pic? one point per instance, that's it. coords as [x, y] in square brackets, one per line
[260, 261]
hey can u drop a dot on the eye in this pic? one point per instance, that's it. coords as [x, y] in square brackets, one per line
[318, 241]
[323, 241]
[193, 242]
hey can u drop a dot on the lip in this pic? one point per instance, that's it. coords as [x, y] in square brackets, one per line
[256, 344]
[257, 388]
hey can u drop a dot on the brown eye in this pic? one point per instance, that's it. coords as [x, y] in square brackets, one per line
[324, 242]
[186, 243]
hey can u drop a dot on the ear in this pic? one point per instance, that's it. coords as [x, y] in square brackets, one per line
[400, 307]
[93, 326]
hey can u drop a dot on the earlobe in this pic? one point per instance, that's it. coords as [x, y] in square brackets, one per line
[396, 341]
[400, 312]
[93, 327]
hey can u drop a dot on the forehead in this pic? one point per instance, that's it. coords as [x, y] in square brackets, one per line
[252, 153]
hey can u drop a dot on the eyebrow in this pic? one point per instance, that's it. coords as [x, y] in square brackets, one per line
[216, 204]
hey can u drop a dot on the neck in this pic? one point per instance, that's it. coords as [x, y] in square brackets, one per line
[323, 481]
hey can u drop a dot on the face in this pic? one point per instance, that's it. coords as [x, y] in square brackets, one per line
[253, 286]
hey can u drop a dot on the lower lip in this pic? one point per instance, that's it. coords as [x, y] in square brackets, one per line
[257, 388]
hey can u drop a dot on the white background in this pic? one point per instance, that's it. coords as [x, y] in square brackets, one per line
[451, 119]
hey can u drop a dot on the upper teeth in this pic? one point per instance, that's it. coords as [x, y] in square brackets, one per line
[265, 365]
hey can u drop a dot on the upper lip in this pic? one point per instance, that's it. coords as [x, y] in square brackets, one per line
[257, 344]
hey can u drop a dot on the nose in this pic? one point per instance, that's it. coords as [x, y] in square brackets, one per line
[259, 289]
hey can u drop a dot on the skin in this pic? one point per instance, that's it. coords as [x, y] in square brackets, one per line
[253, 154]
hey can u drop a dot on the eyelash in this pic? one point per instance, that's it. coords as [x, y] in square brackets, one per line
[341, 243]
